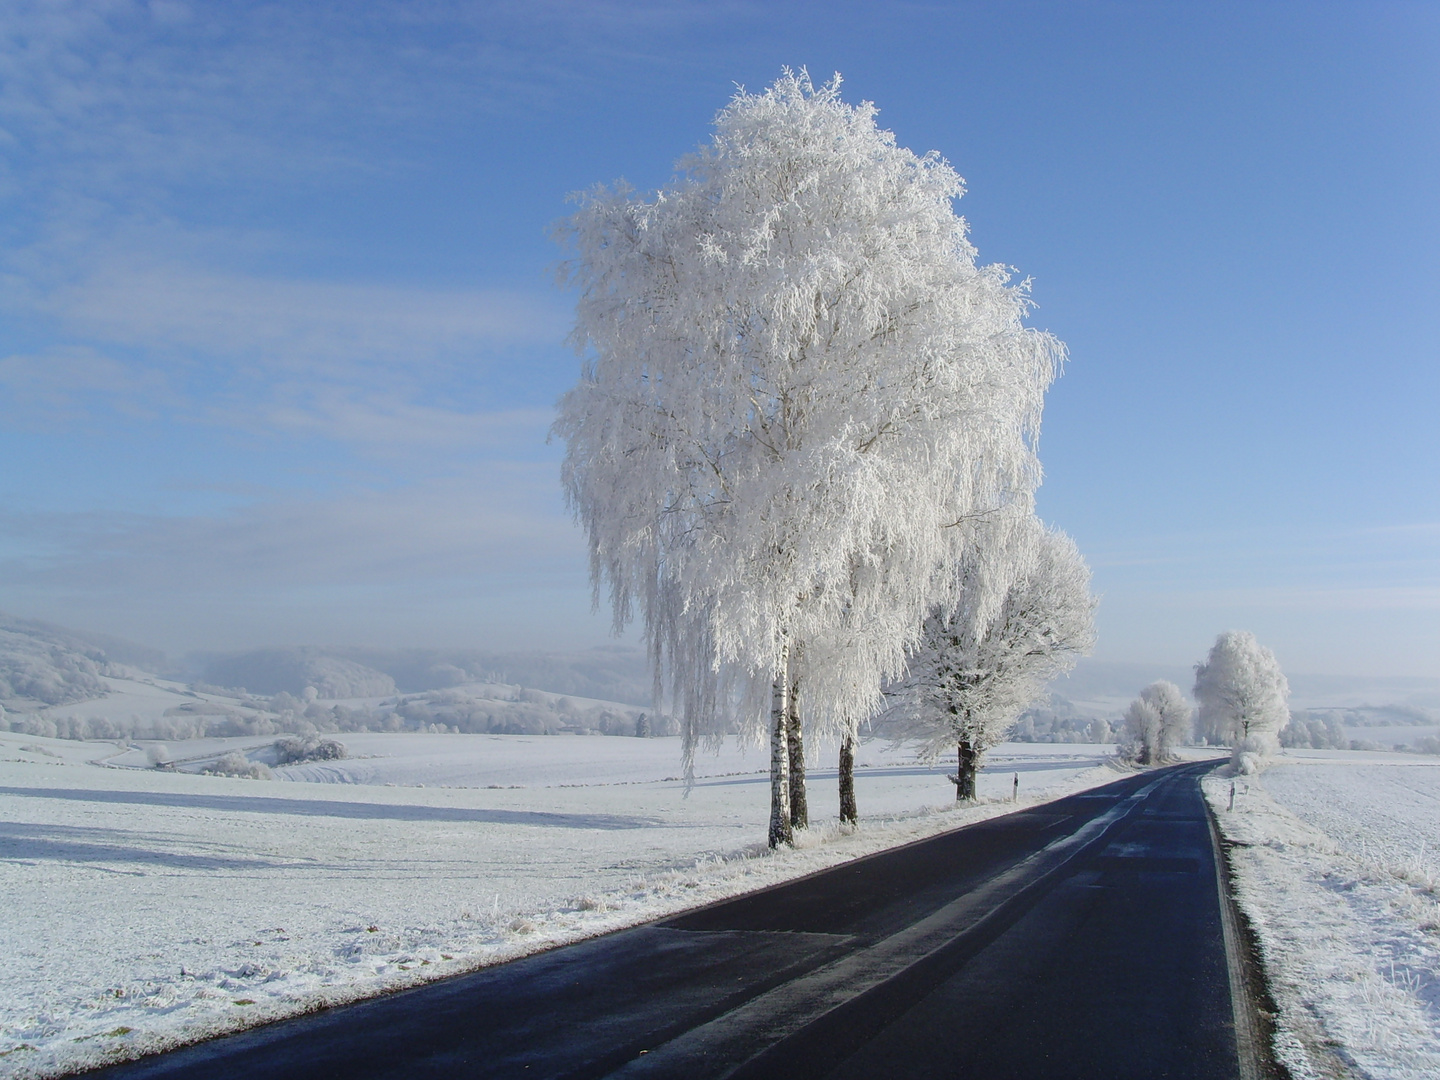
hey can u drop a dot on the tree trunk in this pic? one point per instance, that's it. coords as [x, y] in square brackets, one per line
[965, 776]
[780, 828]
[848, 811]
[795, 741]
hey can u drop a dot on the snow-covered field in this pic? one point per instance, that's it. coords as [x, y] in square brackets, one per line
[1338, 870]
[140, 908]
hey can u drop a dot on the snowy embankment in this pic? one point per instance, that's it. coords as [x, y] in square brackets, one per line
[1336, 866]
[140, 909]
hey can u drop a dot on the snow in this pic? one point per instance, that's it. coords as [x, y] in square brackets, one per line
[144, 908]
[1337, 871]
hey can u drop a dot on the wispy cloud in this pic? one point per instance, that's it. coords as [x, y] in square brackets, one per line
[68, 383]
[380, 423]
[298, 324]
[1291, 556]
[125, 119]
[116, 93]
[375, 366]
[488, 559]
[1375, 599]
[505, 520]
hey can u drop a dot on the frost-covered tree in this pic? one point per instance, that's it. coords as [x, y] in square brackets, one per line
[1325, 731]
[976, 667]
[1156, 722]
[1242, 696]
[1175, 716]
[798, 389]
[1142, 732]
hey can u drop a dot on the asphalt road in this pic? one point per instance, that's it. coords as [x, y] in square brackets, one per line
[1083, 938]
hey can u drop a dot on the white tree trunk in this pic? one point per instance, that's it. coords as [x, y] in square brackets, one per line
[849, 812]
[781, 831]
[799, 804]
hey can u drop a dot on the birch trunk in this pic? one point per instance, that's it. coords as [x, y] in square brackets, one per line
[848, 810]
[780, 828]
[969, 762]
[795, 742]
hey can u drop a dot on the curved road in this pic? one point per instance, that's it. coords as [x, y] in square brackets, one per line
[1087, 937]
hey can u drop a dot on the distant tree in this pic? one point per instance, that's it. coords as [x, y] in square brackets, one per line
[1156, 722]
[976, 669]
[1242, 696]
[295, 749]
[235, 763]
[1142, 732]
[1315, 732]
[158, 755]
[799, 389]
[1176, 716]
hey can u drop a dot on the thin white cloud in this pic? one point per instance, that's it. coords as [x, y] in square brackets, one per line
[380, 423]
[489, 560]
[67, 383]
[380, 367]
[505, 520]
[128, 109]
[120, 92]
[297, 324]
[1374, 599]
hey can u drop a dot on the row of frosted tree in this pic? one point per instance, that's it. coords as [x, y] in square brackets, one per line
[1242, 697]
[803, 445]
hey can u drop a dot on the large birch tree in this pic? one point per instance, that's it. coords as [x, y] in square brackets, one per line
[798, 390]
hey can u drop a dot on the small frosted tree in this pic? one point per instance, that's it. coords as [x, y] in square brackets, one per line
[1142, 732]
[798, 387]
[1175, 716]
[1156, 722]
[978, 666]
[1242, 696]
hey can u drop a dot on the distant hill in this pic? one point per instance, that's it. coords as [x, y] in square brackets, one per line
[606, 673]
[56, 682]
[295, 670]
[43, 664]
[74, 677]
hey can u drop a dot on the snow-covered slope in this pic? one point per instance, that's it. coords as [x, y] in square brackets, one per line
[127, 704]
[55, 683]
[40, 667]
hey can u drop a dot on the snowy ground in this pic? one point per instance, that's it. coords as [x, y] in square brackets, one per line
[1338, 870]
[140, 909]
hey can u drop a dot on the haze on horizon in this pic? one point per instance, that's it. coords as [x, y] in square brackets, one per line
[280, 345]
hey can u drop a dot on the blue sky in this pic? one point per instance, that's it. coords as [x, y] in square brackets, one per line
[279, 344]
